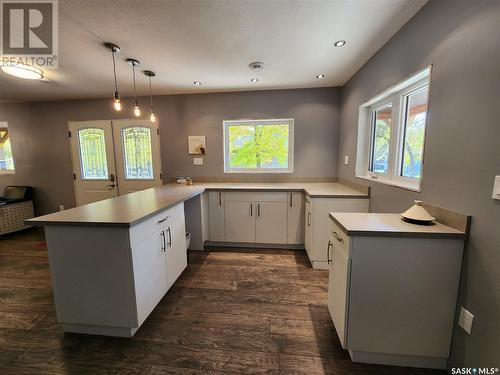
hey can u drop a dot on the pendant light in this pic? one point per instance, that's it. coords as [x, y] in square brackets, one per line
[134, 63]
[150, 74]
[116, 97]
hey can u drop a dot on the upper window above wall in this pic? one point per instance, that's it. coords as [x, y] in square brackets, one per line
[391, 133]
[6, 158]
[258, 146]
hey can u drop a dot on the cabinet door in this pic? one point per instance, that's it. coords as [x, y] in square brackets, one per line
[308, 227]
[295, 230]
[150, 274]
[216, 214]
[338, 286]
[240, 221]
[271, 222]
[176, 252]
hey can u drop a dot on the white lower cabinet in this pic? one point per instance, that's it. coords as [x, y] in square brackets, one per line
[271, 222]
[240, 221]
[175, 246]
[317, 233]
[216, 203]
[295, 220]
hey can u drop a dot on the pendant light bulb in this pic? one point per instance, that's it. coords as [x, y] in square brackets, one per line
[152, 117]
[137, 110]
[117, 104]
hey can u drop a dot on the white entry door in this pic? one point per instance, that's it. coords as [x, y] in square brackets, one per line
[113, 158]
[93, 157]
[137, 154]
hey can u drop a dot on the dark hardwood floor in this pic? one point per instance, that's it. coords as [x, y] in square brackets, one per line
[231, 312]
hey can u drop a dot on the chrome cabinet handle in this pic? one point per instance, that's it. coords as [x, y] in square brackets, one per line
[163, 244]
[169, 244]
[251, 209]
[308, 219]
[337, 237]
[258, 209]
[165, 218]
[220, 198]
[330, 244]
[291, 199]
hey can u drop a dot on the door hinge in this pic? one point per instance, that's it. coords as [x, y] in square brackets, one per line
[69, 134]
[74, 176]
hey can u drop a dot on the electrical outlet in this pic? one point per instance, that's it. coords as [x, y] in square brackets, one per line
[465, 320]
[61, 207]
[346, 159]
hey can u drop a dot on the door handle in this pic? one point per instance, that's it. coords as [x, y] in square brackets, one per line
[258, 209]
[163, 244]
[328, 251]
[169, 237]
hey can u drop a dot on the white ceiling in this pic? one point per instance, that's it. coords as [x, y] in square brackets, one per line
[211, 41]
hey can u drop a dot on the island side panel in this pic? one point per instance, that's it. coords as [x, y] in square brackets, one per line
[92, 277]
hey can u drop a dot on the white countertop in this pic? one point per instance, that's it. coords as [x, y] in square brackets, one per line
[376, 224]
[130, 209]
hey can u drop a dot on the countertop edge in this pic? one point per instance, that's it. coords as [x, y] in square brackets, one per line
[364, 233]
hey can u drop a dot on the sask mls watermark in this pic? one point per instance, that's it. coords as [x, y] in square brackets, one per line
[29, 33]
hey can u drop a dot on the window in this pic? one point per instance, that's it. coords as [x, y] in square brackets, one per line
[391, 133]
[6, 158]
[92, 147]
[138, 155]
[258, 146]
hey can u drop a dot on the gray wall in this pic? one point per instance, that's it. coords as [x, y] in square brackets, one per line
[462, 155]
[41, 145]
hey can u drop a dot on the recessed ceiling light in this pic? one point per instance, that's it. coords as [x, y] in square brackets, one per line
[254, 80]
[319, 76]
[197, 83]
[339, 43]
[23, 71]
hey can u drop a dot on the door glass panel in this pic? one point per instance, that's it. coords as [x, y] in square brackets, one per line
[382, 118]
[137, 153]
[92, 146]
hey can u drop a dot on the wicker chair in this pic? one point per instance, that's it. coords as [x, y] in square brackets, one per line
[16, 205]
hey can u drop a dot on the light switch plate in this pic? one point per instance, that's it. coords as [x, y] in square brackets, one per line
[465, 320]
[197, 161]
[496, 188]
[346, 159]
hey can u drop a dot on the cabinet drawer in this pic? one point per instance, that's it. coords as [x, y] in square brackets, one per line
[161, 219]
[252, 196]
[339, 238]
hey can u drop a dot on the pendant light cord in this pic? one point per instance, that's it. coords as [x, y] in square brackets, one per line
[150, 92]
[114, 70]
[133, 74]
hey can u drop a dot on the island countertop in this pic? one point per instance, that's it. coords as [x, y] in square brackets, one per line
[128, 210]
[389, 225]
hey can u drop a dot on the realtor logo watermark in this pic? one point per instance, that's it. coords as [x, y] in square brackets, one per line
[29, 33]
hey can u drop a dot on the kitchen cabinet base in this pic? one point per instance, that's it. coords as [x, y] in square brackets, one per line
[319, 265]
[398, 360]
[99, 330]
[254, 245]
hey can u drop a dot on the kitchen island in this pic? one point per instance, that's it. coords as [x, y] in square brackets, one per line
[112, 261]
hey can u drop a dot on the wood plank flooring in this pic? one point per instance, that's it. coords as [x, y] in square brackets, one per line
[231, 312]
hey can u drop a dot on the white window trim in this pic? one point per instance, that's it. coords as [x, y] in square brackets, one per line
[365, 123]
[289, 121]
[4, 124]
